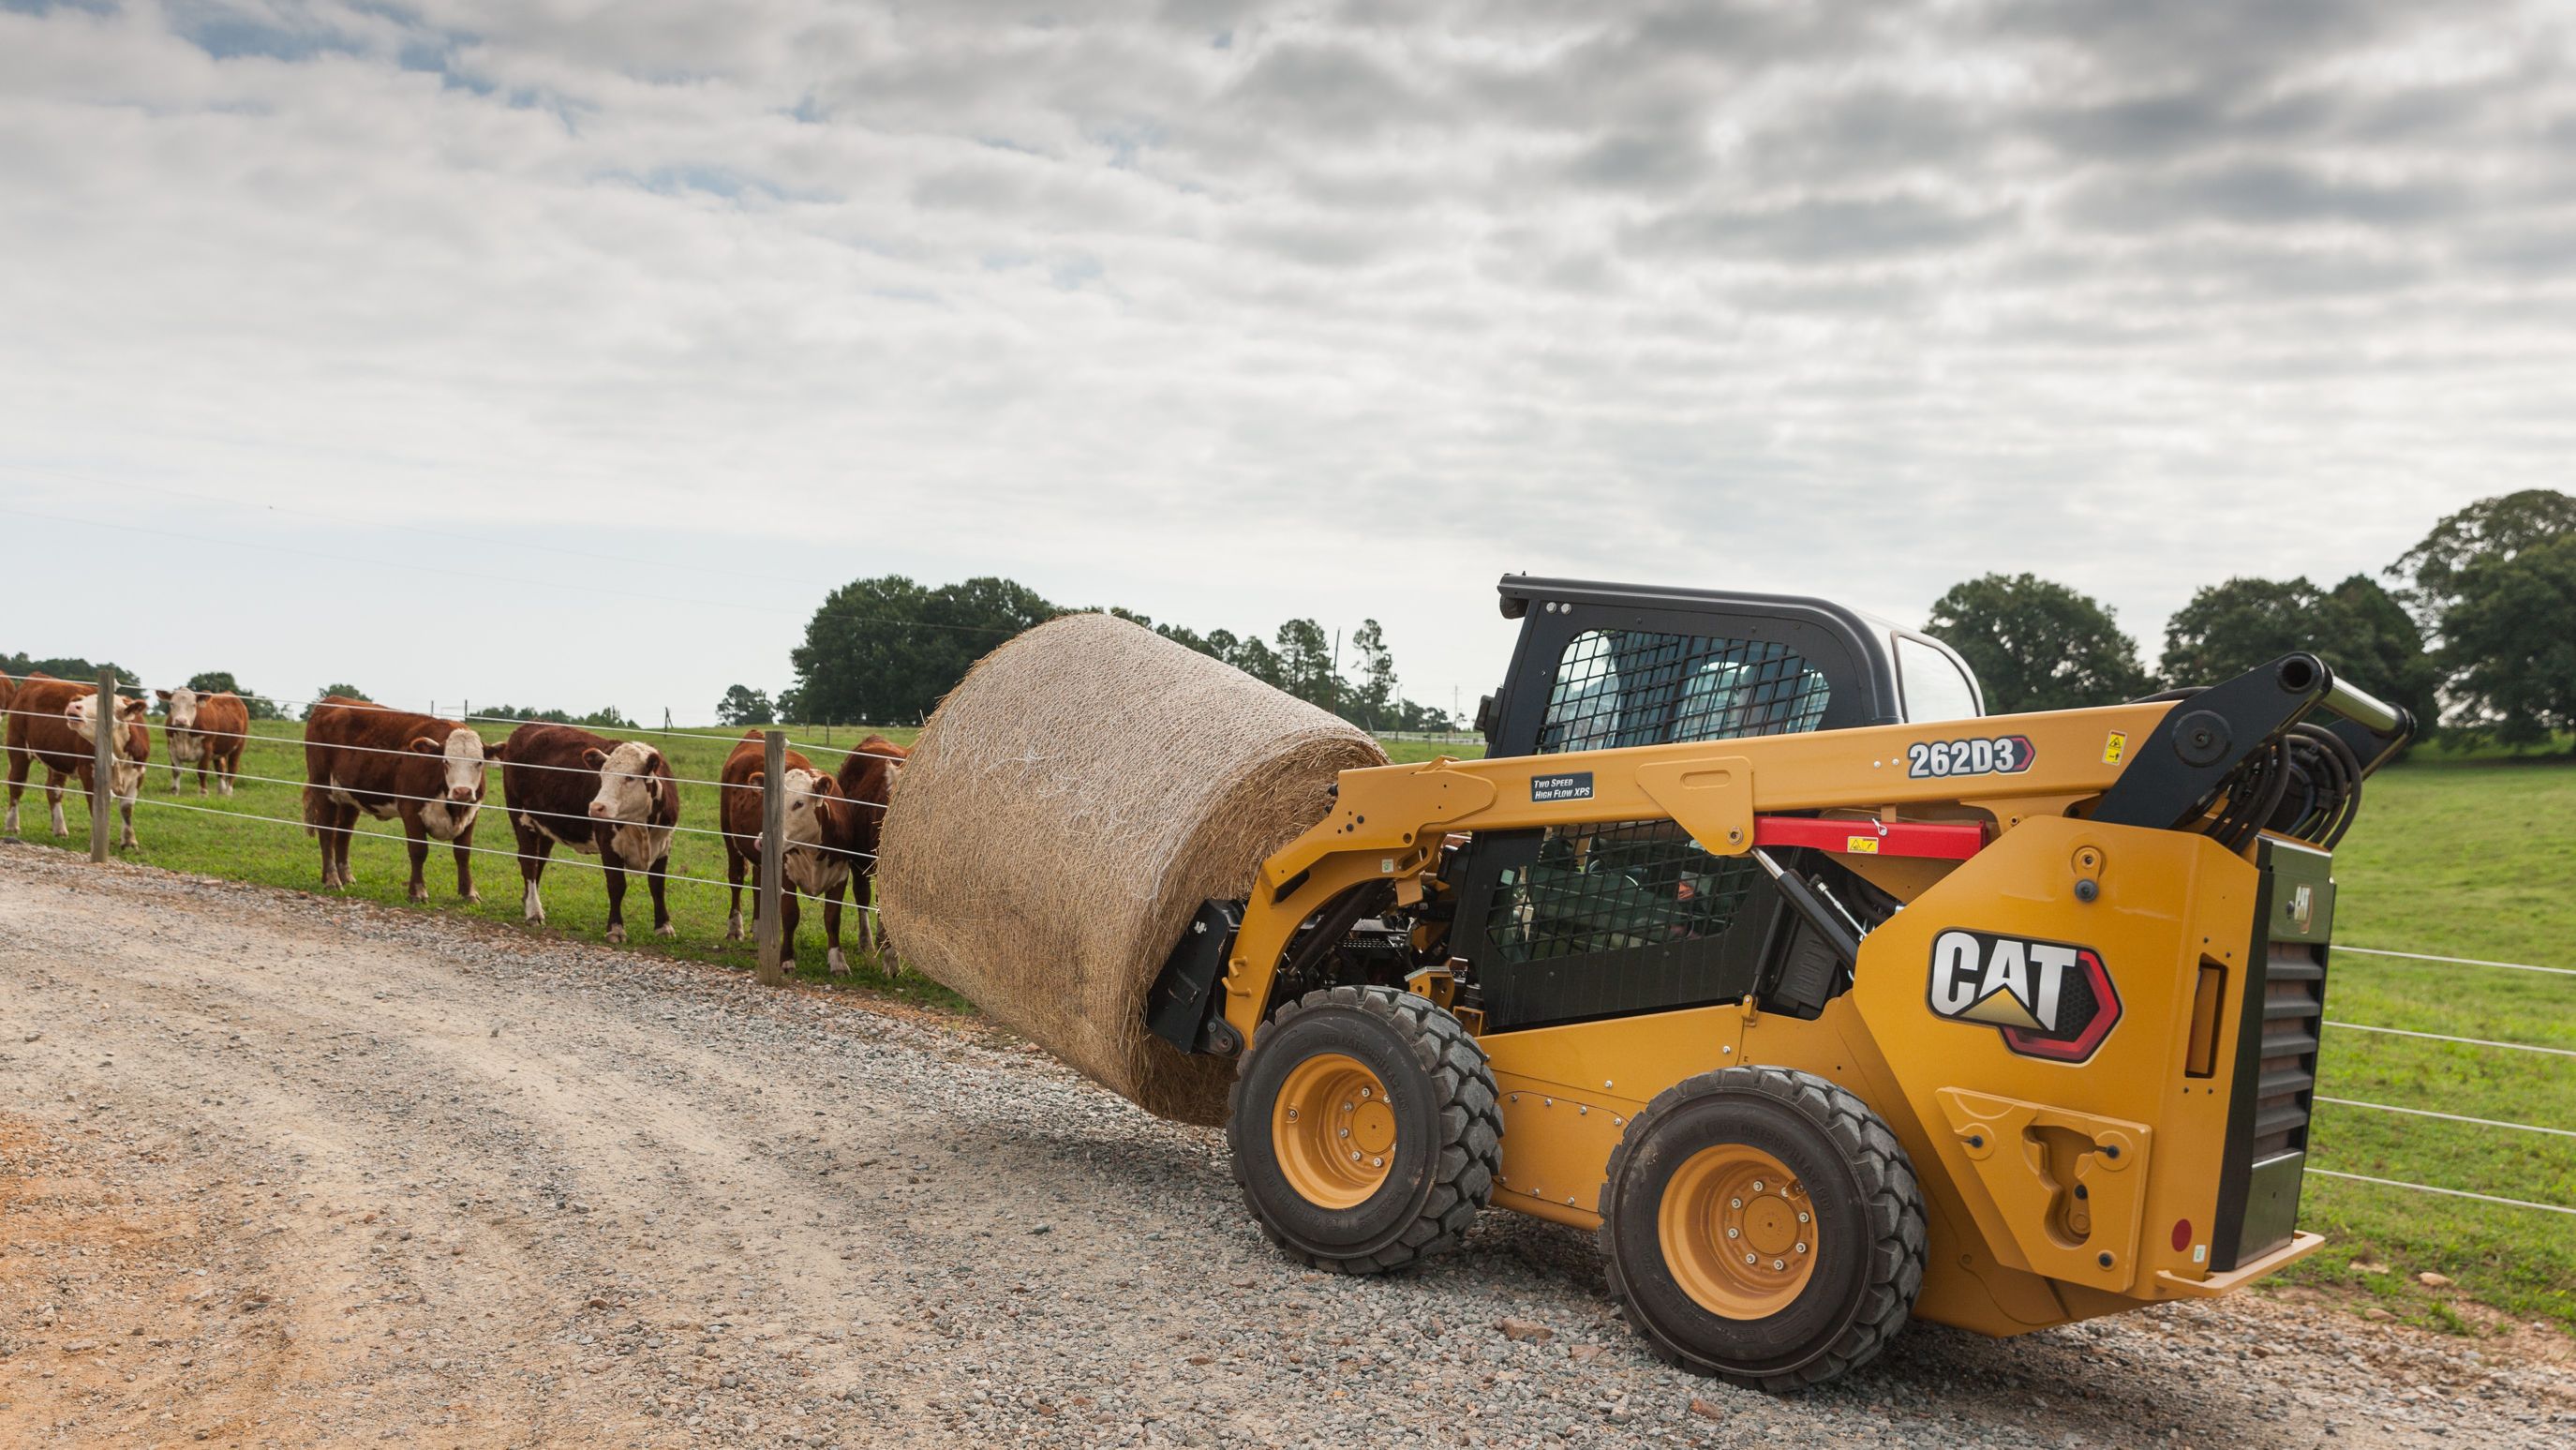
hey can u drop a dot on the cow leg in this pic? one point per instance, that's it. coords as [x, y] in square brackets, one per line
[205, 757]
[863, 886]
[335, 846]
[224, 772]
[733, 876]
[416, 845]
[324, 818]
[19, 760]
[464, 848]
[534, 848]
[615, 870]
[789, 908]
[175, 762]
[833, 961]
[655, 879]
[125, 810]
[344, 827]
[54, 799]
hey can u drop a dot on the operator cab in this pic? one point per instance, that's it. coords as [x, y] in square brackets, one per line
[1606, 665]
[1572, 923]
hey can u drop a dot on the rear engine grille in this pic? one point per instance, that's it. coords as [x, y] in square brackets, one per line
[2294, 981]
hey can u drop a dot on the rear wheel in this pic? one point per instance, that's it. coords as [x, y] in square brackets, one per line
[1763, 1226]
[1365, 1129]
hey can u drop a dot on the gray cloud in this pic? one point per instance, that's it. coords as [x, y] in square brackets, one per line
[1823, 230]
[1223, 310]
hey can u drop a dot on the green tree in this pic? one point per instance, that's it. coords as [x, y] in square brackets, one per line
[1373, 698]
[1306, 663]
[884, 650]
[2492, 528]
[2509, 640]
[1188, 639]
[743, 705]
[2358, 628]
[2038, 645]
[1258, 660]
[218, 682]
[69, 667]
[351, 691]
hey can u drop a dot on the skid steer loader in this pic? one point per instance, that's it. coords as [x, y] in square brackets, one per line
[1825, 999]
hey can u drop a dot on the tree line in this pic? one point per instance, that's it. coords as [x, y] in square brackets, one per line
[885, 650]
[2479, 634]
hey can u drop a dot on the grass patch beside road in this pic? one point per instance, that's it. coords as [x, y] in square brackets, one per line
[2462, 858]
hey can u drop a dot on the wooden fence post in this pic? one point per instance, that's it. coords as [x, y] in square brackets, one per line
[773, 854]
[102, 777]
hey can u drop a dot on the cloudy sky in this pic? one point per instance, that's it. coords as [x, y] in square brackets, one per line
[564, 352]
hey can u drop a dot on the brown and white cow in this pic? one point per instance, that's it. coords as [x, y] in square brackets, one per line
[614, 799]
[821, 835]
[207, 731]
[51, 721]
[392, 764]
[867, 777]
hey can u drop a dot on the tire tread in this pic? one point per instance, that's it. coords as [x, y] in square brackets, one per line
[1890, 1196]
[1469, 1110]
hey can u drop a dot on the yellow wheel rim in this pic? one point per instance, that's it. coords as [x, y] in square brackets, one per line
[1333, 1131]
[1738, 1232]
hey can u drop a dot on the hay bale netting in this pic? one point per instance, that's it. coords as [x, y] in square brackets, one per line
[1065, 811]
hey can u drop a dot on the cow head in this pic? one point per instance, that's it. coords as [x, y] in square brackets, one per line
[183, 707]
[128, 744]
[630, 782]
[129, 711]
[807, 793]
[462, 754]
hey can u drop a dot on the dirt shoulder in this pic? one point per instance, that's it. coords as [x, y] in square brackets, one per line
[277, 1170]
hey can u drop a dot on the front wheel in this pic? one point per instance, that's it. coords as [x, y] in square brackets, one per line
[1365, 1129]
[1763, 1226]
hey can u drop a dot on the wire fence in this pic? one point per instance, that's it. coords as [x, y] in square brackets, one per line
[795, 868]
[857, 862]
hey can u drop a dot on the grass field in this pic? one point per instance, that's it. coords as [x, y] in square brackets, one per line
[2456, 857]
[2460, 858]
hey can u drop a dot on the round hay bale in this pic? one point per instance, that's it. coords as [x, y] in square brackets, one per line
[1065, 811]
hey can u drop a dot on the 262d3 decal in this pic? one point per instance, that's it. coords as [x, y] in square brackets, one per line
[1995, 755]
[2052, 1000]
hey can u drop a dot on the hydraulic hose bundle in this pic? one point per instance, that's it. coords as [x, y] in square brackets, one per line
[2304, 783]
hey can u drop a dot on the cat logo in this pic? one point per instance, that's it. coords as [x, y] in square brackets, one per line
[2049, 999]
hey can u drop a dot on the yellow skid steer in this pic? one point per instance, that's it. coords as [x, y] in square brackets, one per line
[1824, 998]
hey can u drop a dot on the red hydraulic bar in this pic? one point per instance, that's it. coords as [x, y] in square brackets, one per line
[1939, 840]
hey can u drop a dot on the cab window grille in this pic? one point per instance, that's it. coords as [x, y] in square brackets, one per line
[1615, 887]
[1619, 688]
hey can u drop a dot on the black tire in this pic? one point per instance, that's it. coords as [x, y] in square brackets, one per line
[1447, 1129]
[1845, 1165]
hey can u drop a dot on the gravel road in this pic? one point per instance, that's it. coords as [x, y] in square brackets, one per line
[277, 1170]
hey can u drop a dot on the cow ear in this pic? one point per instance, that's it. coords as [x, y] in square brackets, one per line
[497, 750]
[164, 694]
[594, 757]
[423, 745]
